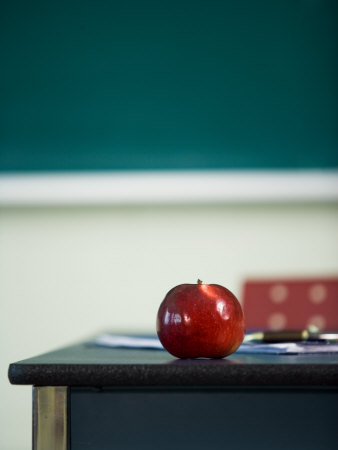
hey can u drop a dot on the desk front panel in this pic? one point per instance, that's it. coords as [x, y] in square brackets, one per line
[208, 419]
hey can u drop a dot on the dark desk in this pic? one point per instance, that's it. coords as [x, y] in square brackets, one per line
[87, 397]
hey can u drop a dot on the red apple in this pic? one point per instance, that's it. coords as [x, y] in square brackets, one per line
[200, 321]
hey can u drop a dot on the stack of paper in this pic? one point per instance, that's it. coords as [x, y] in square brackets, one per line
[284, 348]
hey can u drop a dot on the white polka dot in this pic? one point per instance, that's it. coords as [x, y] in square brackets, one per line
[278, 293]
[317, 321]
[317, 293]
[277, 321]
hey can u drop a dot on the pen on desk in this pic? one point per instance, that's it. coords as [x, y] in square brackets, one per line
[289, 336]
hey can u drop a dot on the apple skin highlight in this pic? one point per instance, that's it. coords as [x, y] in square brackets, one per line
[200, 321]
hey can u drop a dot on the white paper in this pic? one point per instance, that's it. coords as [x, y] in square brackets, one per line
[289, 348]
[124, 341]
[283, 348]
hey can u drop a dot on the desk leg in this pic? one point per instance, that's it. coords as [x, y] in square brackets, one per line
[50, 418]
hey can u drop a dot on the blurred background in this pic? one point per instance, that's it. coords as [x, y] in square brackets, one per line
[145, 144]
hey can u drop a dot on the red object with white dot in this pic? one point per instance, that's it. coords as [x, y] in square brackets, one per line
[291, 304]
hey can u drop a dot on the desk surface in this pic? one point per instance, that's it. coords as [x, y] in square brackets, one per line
[86, 364]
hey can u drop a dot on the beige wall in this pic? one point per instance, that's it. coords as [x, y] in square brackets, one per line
[66, 273]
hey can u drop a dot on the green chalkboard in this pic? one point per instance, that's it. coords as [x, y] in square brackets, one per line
[168, 84]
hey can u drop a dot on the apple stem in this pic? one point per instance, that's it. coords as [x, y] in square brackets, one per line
[199, 281]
